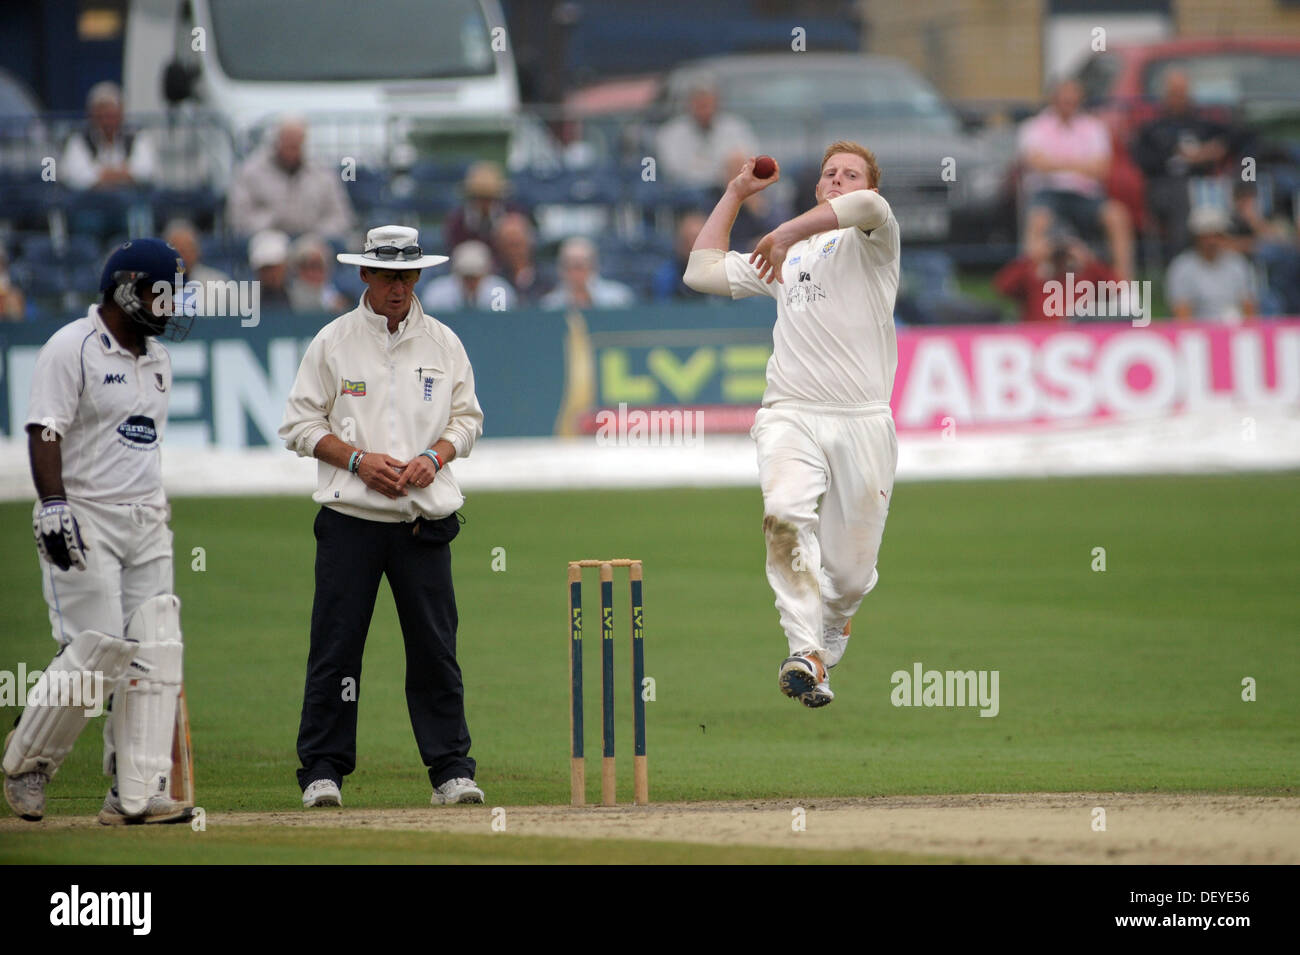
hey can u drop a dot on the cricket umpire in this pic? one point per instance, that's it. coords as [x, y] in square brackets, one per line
[95, 427]
[384, 400]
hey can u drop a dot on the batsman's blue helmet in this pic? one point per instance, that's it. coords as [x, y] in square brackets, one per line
[141, 259]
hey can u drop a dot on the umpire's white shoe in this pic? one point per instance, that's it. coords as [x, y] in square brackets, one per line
[159, 810]
[321, 792]
[460, 789]
[803, 678]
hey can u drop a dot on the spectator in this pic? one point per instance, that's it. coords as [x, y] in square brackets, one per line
[268, 257]
[13, 307]
[471, 283]
[1049, 259]
[105, 155]
[1170, 150]
[514, 241]
[581, 285]
[693, 149]
[310, 289]
[484, 207]
[184, 238]
[667, 284]
[1271, 246]
[278, 188]
[1067, 159]
[1209, 280]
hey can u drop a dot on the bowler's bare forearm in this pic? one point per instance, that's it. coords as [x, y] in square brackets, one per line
[45, 449]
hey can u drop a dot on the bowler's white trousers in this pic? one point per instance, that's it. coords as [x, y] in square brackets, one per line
[827, 475]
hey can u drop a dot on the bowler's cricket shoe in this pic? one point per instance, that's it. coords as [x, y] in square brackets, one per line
[837, 641]
[159, 810]
[321, 792]
[456, 790]
[25, 792]
[804, 679]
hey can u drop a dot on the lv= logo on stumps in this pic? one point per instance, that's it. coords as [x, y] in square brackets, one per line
[577, 763]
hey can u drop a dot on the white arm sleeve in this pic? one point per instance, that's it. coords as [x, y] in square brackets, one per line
[707, 273]
[861, 208]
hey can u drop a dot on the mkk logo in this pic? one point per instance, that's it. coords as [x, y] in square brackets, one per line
[112, 379]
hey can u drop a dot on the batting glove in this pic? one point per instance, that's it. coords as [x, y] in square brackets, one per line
[58, 538]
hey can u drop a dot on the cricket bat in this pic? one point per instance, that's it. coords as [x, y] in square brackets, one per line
[182, 777]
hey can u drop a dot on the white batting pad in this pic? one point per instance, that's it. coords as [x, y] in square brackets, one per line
[72, 690]
[143, 720]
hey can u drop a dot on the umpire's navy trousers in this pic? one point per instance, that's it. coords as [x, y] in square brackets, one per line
[351, 555]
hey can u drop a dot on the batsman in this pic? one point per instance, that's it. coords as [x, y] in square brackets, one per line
[95, 423]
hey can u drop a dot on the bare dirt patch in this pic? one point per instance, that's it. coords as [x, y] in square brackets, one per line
[1021, 827]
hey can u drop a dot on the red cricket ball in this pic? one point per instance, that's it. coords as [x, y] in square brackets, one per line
[764, 167]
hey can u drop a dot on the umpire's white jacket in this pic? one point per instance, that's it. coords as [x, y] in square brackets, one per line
[395, 394]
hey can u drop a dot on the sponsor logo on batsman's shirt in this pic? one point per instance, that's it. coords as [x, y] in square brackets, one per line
[138, 429]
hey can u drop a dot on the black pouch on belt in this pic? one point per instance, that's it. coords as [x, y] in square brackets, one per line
[442, 530]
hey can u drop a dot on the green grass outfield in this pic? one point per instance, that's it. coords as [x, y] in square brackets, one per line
[1124, 680]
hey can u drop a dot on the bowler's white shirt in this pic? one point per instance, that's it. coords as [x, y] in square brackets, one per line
[108, 407]
[834, 340]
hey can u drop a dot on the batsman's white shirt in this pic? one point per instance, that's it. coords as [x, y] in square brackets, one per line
[825, 437]
[109, 409]
[396, 394]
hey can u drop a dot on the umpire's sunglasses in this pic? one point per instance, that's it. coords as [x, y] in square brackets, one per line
[391, 253]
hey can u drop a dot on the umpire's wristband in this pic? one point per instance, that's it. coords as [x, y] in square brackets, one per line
[432, 455]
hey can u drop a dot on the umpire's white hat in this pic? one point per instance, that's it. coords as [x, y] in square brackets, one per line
[392, 247]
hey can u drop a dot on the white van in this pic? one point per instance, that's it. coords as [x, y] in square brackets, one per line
[371, 78]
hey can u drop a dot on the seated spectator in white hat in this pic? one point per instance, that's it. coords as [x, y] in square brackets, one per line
[310, 287]
[278, 187]
[1210, 281]
[268, 257]
[105, 155]
[471, 283]
[581, 285]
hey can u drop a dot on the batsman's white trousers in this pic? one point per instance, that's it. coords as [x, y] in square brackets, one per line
[128, 560]
[827, 475]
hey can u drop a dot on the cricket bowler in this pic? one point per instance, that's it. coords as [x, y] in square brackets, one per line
[825, 436]
[95, 423]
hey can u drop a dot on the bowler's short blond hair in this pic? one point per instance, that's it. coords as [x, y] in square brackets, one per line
[856, 149]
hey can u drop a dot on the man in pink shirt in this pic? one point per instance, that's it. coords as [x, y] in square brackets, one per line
[1066, 156]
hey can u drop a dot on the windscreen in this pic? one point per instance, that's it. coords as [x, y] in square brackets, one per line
[294, 41]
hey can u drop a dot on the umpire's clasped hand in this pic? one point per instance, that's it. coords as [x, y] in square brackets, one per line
[380, 472]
